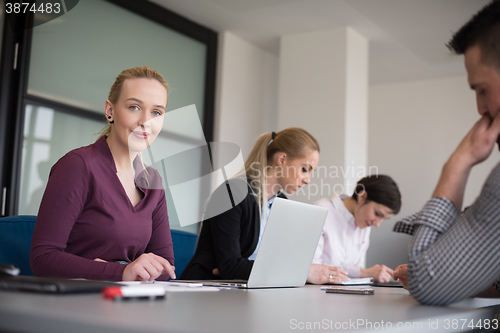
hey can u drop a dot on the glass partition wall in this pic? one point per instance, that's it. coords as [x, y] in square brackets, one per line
[73, 61]
[2, 18]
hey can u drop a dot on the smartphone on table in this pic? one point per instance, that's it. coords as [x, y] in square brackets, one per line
[344, 290]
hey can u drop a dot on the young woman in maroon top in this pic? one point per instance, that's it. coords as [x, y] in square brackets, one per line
[100, 207]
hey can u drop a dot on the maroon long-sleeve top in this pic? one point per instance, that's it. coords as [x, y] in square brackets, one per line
[85, 214]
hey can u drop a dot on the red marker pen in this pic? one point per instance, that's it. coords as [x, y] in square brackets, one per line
[134, 292]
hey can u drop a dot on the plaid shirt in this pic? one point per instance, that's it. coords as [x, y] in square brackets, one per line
[453, 256]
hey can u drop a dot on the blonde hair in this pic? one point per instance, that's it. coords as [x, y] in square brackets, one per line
[131, 73]
[294, 142]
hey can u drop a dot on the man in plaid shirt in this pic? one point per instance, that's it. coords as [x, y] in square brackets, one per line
[453, 256]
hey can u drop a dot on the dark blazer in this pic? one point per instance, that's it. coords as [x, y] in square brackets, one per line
[227, 240]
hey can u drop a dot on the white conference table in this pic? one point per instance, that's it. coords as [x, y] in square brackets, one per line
[235, 311]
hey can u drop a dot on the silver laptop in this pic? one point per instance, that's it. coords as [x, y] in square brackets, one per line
[287, 247]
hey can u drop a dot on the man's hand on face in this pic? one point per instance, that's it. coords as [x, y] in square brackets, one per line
[475, 147]
[478, 144]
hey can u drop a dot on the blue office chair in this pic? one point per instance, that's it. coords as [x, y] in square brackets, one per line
[184, 246]
[15, 241]
[16, 233]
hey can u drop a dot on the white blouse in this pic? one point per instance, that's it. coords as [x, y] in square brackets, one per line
[342, 243]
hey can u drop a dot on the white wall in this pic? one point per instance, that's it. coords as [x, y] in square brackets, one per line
[413, 129]
[356, 110]
[312, 95]
[247, 92]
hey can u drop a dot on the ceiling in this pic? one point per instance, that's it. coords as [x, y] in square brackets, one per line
[407, 37]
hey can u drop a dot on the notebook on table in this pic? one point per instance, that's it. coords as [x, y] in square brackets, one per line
[286, 249]
[391, 284]
[355, 281]
[368, 281]
[52, 285]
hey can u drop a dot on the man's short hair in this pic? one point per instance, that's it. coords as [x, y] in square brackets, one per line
[482, 29]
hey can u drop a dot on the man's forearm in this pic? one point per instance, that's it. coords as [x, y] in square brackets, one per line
[453, 179]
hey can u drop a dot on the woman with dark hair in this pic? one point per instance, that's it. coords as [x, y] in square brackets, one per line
[346, 234]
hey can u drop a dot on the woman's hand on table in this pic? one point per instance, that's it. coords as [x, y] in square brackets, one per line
[148, 267]
[321, 274]
[379, 273]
